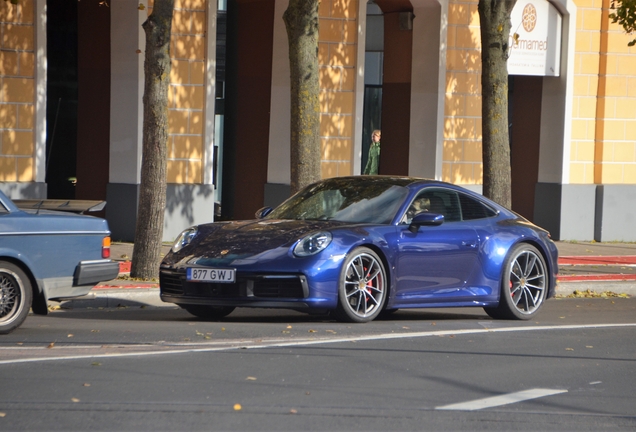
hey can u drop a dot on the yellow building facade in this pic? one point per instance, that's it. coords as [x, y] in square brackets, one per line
[582, 120]
[17, 93]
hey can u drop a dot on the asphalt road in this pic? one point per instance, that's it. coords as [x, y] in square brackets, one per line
[573, 368]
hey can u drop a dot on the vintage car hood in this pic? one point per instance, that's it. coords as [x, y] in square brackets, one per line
[224, 242]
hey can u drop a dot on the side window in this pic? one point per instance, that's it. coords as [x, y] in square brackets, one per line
[474, 209]
[444, 202]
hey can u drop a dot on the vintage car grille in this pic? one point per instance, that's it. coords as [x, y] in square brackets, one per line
[261, 286]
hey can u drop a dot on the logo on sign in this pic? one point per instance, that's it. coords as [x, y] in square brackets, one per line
[529, 17]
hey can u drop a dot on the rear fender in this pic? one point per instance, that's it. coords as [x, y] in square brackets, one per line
[39, 305]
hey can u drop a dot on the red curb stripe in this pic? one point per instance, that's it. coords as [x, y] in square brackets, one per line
[596, 278]
[597, 260]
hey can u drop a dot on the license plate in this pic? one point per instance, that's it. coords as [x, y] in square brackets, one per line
[210, 275]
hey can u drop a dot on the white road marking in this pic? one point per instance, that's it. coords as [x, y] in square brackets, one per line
[500, 400]
[275, 343]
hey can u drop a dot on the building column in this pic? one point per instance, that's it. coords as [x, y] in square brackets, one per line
[396, 90]
[126, 117]
[428, 83]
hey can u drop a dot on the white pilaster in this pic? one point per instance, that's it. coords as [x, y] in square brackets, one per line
[128, 42]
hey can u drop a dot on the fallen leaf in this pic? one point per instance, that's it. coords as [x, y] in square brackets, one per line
[51, 345]
[70, 335]
[222, 328]
[569, 349]
[75, 399]
[293, 411]
[307, 393]
[289, 326]
[186, 339]
[406, 328]
[237, 407]
[285, 331]
[250, 378]
[96, 364]
[589, 346]
[2, 414]
[87, 385]
[94, 331]
[433, 323]
[330, 331]
[20, 343]
[312, 331]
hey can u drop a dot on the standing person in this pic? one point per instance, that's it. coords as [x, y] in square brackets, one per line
[374, 154]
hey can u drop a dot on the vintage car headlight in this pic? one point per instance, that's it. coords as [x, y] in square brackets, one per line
[184, 239]
[312, 244]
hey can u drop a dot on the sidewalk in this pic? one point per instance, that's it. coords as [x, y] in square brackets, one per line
[583, 266]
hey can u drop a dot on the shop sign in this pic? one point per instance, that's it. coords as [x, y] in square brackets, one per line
[535, 39]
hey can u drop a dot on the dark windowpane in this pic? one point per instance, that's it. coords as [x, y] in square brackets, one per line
[473, 209]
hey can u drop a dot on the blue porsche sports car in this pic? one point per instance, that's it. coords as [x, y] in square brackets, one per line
[362, 246]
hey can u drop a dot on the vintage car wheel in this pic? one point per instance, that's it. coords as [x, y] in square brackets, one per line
[362, 288]
[15, 297]
[524, 284]
[209, 312]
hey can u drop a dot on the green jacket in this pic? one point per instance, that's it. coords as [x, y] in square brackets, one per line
[373, 160]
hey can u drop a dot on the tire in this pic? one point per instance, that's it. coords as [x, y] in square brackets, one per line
[210, 313]
[16, 296]
[362, 288]
[524, 284]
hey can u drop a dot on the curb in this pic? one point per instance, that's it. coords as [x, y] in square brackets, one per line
[113, 297]
[615, 287]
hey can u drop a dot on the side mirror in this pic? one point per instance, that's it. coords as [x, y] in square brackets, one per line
[262, 212]
[425, 218]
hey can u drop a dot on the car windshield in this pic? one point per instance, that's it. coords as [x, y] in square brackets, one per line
[345, 200]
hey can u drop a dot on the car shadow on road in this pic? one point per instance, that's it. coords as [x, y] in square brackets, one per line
[142, 312]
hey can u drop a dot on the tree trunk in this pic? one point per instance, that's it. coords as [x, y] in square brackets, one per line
[152, 191]
[494, 16]
[301, 21]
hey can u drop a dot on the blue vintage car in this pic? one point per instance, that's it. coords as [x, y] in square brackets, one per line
[48, 255]
[363, 246]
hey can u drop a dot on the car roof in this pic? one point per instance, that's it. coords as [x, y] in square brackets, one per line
[386, 179]
[405, 181]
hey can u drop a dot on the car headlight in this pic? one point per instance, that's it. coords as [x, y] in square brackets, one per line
[312, 244]
[184, 239]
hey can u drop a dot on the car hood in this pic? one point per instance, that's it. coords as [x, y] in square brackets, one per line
[222, 243]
